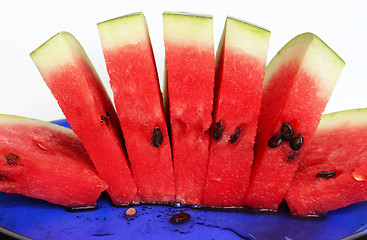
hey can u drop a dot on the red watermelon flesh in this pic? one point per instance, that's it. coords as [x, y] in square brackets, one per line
[46, 161]
[76, 86]
[138, 100]
[338, 147]
[298, 83]
[190, 91]
[240, 69]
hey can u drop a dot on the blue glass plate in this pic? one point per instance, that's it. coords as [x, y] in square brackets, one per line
[38, 219]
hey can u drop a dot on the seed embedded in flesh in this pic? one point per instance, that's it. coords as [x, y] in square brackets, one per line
[296, 143]
[104, 119]
[157, 137]
[217, 131]
[274, 142]
[108, 114]
[326, 174]
[292, 156]
[180, 217]
[235, 135]
[12, 159]
[4, 178]
[286, 132]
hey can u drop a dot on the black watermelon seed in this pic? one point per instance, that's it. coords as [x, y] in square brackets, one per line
[157, 137]
[5, 178]
[180, 217]
[108, 114]
[287, 132]
[325, 174]
[274, 142]
[292, 156]
[235, 135]
[12, 159]
[217, 131]
[104, 119]
[296, 142]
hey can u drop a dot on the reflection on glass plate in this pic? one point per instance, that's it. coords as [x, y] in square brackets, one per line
[42, 220]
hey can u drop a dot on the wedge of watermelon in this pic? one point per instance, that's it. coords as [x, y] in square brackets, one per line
[68, 73]
[190, 64]
[138, 100]
[298, 83]
[333, 170]
[43, 160]
[240, 69]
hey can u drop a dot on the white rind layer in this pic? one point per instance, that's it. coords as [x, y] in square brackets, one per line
[248, 38]
[125, 30]
[315, 57]
[347, 118]
[190, 29]
[59, 50]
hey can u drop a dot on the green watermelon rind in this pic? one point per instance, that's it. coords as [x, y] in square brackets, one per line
[121, 17]
[355, 117]
[190, 28]
[58, 46]
[122, 30]
[187, 14]
[248, 26]
[6, 119]
[245, 37]
[319, 59]
[62, 46]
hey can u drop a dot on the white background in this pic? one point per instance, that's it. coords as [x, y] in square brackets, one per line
[24, 25]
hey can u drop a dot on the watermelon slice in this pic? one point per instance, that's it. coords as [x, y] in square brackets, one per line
[43, 160]
[240, 69]
[190, 64]
[138, 100]
[298, 83]
[333, 170]
[76, 86]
